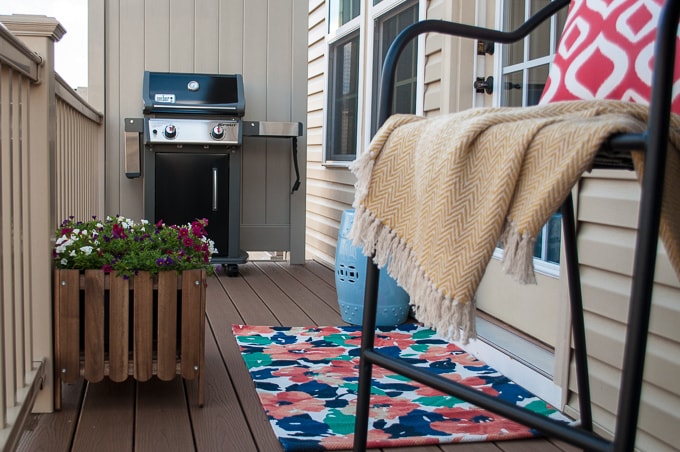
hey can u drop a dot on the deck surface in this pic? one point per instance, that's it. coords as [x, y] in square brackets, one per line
[164, 416]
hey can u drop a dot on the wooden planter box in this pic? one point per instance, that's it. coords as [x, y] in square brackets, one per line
[110, 326]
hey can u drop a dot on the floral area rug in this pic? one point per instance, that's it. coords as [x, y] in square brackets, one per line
[306, 379]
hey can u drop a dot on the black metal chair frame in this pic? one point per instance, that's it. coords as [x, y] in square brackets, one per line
[654, 142]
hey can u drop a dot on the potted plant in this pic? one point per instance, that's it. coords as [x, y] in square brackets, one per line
[129, 299]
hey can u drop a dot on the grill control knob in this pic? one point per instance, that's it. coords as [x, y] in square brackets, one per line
[170, 131]
[217, 132]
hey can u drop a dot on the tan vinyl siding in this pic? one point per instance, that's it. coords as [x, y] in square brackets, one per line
[329, 190]
[607, 214]
[448, 84]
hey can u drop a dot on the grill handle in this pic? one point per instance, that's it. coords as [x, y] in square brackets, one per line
[214, 189]
[134, 128]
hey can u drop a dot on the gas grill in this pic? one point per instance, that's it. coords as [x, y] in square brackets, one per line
[192, 134]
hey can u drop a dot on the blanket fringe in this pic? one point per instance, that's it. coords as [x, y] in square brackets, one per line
[362, 168]
[450, 317]
[518, 254]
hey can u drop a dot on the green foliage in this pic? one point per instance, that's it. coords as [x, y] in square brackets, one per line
[119, 244]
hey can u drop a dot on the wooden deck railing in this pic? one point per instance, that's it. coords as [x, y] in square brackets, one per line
[51, 166]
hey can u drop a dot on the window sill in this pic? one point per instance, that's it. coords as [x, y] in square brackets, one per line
[337, 164]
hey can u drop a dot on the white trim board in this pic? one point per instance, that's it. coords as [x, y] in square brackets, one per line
[523, 362]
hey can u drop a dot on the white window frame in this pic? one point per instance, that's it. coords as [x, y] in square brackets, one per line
[365, 24]
[332, 38]
[540, 266]
[376, 13]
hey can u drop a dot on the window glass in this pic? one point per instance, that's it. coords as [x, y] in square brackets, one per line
[387, 28]
[537, 76]
[513, 17]
[341, 12]
[523, 79]
[342, 124]
[348, 47]
[539, 46]
[511, 89]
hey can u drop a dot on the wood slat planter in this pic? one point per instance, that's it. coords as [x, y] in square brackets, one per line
[106, 325]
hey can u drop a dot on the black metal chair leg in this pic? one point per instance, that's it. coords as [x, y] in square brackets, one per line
[365, 366]
[577, 317]
[640, 307]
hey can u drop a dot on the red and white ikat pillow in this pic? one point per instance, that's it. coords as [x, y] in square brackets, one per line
[606, 51]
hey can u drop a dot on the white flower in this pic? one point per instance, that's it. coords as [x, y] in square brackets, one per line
[86, 249]
[72, 253]
[63, 244]
[145, 221]
[64, 261]
[211, 247]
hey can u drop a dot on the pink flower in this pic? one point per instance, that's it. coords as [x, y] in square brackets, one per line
[118, 231]
[385, 407]
[285, 404]
[476, 421]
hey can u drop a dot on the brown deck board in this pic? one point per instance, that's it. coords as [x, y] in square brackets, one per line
[312, 277]
[54, 432]
[221, 319]
[284, 309]
[161, 420]
[308, 301]
[164, 416]
[106, 420]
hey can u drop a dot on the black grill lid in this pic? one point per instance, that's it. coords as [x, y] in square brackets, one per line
[175, 92]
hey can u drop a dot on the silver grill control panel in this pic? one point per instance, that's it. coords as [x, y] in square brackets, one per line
[193, 131]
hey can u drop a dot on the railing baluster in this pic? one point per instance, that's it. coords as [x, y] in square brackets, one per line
[57, 176]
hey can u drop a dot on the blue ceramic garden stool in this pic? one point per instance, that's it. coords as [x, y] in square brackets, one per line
[350, 283]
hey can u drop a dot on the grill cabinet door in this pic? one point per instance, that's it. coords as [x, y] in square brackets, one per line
[191, 186]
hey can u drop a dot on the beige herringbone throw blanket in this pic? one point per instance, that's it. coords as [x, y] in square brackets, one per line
[435, 196]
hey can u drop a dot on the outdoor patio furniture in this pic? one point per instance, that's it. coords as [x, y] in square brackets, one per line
[654, 142]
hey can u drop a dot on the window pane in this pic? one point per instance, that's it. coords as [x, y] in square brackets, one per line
[387, 28]
[554, 229]
[524, 86]
[342, 133]
[404, 99]
[511, 96]
[513, 17]
[539, 39]
[537, 78]
[341, 12]
[560, 18]
[538, 246]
